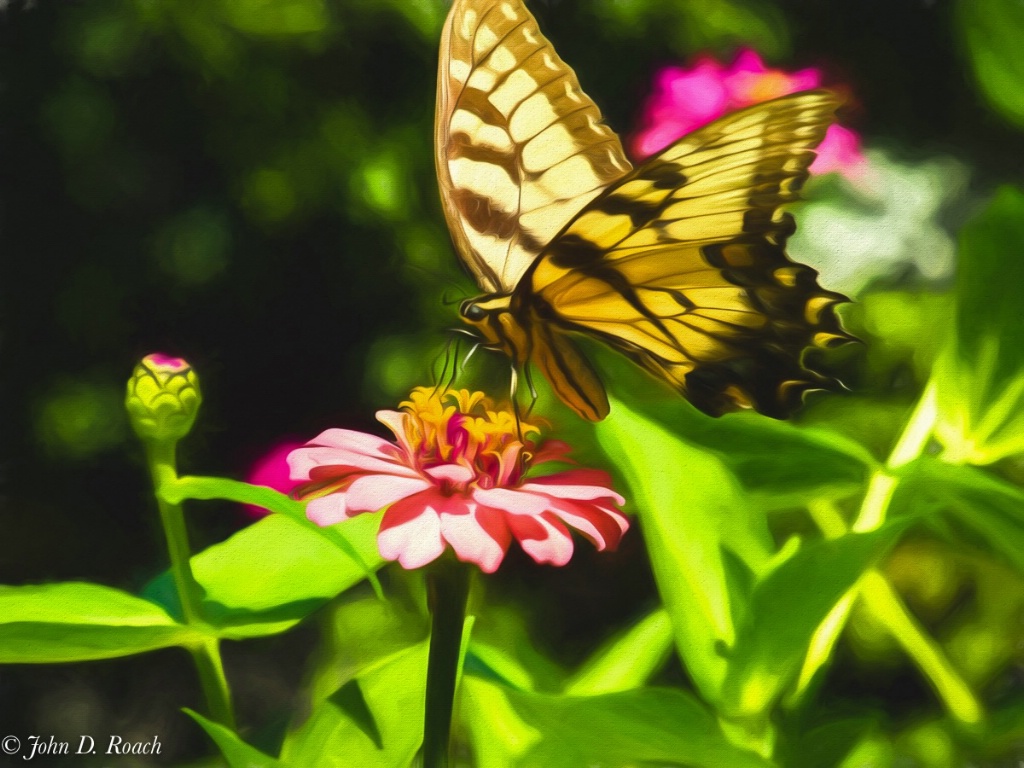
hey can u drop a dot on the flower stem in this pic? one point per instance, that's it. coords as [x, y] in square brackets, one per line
[206, 655]
[447, 592]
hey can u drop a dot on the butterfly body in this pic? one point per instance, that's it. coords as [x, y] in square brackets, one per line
[679, 264]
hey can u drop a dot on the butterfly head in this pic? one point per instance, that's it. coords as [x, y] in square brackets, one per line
[490, 317]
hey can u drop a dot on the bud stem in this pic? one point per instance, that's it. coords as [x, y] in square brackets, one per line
[206, 656]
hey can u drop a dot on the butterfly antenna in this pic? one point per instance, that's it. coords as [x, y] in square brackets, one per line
[447, 299]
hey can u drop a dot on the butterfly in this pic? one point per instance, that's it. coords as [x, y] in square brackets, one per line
[679, 263]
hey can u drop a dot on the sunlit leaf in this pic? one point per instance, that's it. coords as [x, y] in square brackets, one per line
[236, 752]
[658, 726]
[273, 573]
[74, 621]
[377, 723]
[627, 660]
[786, 608]
[980, 376]
[692, 512]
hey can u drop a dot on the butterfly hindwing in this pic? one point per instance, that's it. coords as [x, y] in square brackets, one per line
[681, 266]
[520, 149]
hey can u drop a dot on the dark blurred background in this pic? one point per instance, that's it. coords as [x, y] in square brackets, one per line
[249, 184]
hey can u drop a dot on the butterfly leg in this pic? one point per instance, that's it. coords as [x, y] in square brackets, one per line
[528, 375]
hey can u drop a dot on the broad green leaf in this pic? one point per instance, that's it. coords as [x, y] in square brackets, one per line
[269, 576]
[626, 661]
[76, 621]
[505, 646]
[988, 507]
[980, 374]
[359, 631]
[691, 511]
[786, 608]
[658, 726]
[775, 461]
[236, 752]
[991, 31]
[373, 720]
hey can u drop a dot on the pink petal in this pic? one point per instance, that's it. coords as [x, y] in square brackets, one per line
[477, 534]
[544, 540]
[602, 526]
[453, 473]
[328, 510]
[552, 450]
[344, 447]
[582, 484]
[395, 421]
[416, 541]
[370, 493]
[513, 501]
[351, 440]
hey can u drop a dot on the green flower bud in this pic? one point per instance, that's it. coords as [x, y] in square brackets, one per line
[163, 398]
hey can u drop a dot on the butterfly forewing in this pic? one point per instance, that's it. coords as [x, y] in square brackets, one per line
[681, 264]
[520, 148]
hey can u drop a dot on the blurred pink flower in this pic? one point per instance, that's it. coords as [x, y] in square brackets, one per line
[271, 470]
[685, 99]
[456, 475]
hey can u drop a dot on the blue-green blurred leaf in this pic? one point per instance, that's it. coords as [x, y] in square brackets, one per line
[980, 376]
[691, 511]
[656, 726]
[236, 752]
[74, 621]
[787, 607]
[991, 31]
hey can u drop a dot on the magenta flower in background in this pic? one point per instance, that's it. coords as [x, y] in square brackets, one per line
[457, 475]
[684, 99]
[271, 470]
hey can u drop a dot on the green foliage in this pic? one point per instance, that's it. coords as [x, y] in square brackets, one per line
[253, 180]
[990, 33]
[980, 376]
[80, 621]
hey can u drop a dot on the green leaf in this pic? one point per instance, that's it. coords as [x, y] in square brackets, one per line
[272, 574]
[75, 621]
[660, 726]
[379, 722]
[787, 606]
[236, 752]
[990, 508]
[627, 660]
[980, 375]
[991, 31]
[777, 462]
[691, 511]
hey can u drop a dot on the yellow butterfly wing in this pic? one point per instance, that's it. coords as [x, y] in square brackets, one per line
[681, 266]
[520, 149]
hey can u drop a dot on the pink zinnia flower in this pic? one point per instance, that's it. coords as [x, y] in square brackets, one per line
[684, 99]
[456, 475]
